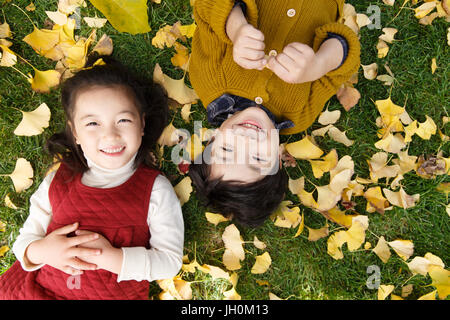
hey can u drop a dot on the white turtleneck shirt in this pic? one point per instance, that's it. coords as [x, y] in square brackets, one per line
[164, 258]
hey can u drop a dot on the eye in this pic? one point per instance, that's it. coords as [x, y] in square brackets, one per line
[260, 159]
[92, 123]
[124, 120]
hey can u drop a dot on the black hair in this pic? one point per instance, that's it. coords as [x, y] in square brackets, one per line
[150, 100]
[249, 204]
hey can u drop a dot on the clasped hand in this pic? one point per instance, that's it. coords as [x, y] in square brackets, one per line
[297, 63]
[71, 255]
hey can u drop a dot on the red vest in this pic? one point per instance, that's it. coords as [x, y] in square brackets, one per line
[119, 214]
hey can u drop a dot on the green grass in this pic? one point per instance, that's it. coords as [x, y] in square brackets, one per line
[300, 269]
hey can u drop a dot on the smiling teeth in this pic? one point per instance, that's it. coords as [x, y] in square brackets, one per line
[113, 150]
[248, 125]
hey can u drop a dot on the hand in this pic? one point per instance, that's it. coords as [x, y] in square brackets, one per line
[61, 252]
[297, 63]
[110, 259]
[248, 47]
[248, 42]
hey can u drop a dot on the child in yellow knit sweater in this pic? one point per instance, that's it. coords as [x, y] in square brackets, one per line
[262, 67]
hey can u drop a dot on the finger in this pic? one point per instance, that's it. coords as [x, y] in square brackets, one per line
[66, 229]
[79, 264]
[287, 62]
[250, 64]
[84, 252]
[254, 33]
[77, 240]
[253, 44]
[251, 54]
[301, 47]
[277, 68]
[293, 53]
[72, 271]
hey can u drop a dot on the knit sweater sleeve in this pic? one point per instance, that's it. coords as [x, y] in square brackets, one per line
[213, 15]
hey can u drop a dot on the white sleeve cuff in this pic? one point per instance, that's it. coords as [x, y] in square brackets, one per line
[134, 264]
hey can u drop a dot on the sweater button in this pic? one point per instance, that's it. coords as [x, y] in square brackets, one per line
[291, 13]
[258, 100]
[273, 53]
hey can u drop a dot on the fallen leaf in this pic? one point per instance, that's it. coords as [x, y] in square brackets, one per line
[388, 35]
[176, 89]
[348, 97]
[258, 243]
[382, 250]
[334, 244]
[441, 281]
[339, 136]
[424, 9]
[57, 17]
[384, 291]
[316, 234]
[319, 167]
[382, 48]
[3, 250]
[428, 296]
[125, 15]
[43, 81]
[5, 31]
[232, 239]
[8, 58]
[183, 190]
[370, 71]
[401, 198]
[104, 46]
[33, 122]
[433, 65]
[329, 117]
[404, 248]
[375, 200]
[95, 22]
[262, 263]
[9, 203]
[22, 175]
[356, 234]
[215, 218]
[426, 129]
[304, 149]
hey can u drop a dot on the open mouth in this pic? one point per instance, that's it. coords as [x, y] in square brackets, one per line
[251, 125]
[113, 151]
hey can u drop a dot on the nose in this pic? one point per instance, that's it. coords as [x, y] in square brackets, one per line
[111, 132]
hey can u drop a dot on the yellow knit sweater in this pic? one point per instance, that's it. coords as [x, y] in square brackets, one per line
[213, 71]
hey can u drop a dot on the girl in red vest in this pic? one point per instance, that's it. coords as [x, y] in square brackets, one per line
[105, 223]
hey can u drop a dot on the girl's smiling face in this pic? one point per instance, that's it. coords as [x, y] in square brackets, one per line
[107, 125]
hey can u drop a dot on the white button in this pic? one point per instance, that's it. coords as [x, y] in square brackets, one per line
[273, 53]
[258, 100]
[291, 13]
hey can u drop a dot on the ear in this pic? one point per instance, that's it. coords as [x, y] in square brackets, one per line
[143, 123]
[72, 129]
[280, 152]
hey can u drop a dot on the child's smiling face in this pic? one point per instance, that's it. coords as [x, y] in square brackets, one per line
[246, 147]
[107, 125]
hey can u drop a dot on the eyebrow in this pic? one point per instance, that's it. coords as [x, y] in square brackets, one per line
[95, 115]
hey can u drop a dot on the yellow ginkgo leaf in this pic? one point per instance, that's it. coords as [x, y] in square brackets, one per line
[181, 58]
[404, 248]
[57, 17]
[301, 226]
[215, 218]
[95, 22]
[384, 291]
[382, 48]
[388, 35]
[304, 149]
[382, 250]
[176, 287]
[5, 31]
[334, 244]
[391, 143]
[410, 130]
[7, 58]
[424, 9]
[258, 243]
[329, 117]
[325, 164]
[433, 65]
[376, 200]
[34, 122]
[428, 296]
[22, 175]
[232, 239]
[9, 203]
[426, 129]
[441, 280]
[194, 147]
[356, 234]
[170, 136]
[183, 190]
[176, 89]
[3, 250]
[125, 15]
[104, 46]
[188, 30]
[262, 263]
[186, 111]
[370, 71]
[230, 260]
[43, 81]
[215, 272]
[339, 136]
[316, 234]
[42, 40]
[165, 37]
[401, 198]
